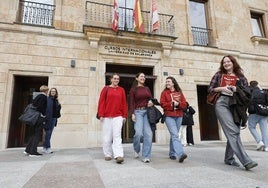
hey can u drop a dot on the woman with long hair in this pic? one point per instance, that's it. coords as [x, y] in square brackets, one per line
[140, 99]
[173, 102]
[52, 115]
[227, 80]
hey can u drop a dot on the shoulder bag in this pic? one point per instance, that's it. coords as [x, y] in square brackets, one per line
[30, 115]
[212, 97]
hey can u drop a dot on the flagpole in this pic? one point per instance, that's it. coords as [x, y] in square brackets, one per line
[151, 15]
[125, 15]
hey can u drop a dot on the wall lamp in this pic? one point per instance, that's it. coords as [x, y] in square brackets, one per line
[73, 63]
[181, 72]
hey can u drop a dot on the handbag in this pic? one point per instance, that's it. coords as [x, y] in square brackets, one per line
[212, 97]
[30, 115]
[261, 109]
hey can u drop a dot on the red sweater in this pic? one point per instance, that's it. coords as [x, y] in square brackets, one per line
[167, 105]
[112, 102]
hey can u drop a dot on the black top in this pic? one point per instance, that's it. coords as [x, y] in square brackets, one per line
[40, 102]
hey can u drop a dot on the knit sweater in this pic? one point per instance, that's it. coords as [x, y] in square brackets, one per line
[166, 103]
[112, 102]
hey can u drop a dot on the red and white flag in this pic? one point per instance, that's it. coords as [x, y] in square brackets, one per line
[138, 24]
[154, 16]
[115, 17]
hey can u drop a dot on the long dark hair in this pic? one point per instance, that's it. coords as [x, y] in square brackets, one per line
[135, 82]
[174, 81]
[237, 69]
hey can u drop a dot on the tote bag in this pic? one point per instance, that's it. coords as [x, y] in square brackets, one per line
[30, 115]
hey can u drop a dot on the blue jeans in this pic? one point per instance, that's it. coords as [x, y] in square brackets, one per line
[253, 120]
[49, 131]
[173, 124]
[142, 131]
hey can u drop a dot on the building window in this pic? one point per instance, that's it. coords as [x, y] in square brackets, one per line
[37, 12]
[126, 15]
[257, 24]
[198, 20]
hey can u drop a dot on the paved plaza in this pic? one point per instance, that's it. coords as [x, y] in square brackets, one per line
[86, 167]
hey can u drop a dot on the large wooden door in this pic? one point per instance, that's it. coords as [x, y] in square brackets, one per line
[209, 129]
[23, 89]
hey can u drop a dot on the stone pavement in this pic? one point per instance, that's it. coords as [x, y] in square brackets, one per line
[86, 167]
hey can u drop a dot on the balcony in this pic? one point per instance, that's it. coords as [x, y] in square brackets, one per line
[201, 36]
[100, 15]
[33, 13]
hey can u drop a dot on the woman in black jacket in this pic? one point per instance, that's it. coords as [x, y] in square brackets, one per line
[40, 102]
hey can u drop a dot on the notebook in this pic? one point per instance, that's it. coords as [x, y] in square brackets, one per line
[228, 80]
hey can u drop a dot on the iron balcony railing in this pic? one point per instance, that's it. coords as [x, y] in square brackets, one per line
[100, 15]
[201, 36]
[36, 13]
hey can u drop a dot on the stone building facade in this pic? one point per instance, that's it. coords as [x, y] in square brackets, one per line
[69, 44]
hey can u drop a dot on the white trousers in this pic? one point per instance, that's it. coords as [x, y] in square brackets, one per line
[111, 137]
[182, 135]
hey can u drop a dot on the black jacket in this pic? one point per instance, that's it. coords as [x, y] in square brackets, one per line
[40, 102]
[154, 116]
[239, 104]
[258, 97]
[187, 118]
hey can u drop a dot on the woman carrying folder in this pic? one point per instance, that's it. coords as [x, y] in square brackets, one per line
[224, 83]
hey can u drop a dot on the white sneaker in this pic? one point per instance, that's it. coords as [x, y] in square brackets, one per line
[146, 160]
[48, 151]
[260, 146]
[136, 155]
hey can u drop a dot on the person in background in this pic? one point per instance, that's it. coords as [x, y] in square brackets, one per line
[230, 67]
[112, 111]
[258, 97]
[52, 115]
[40, 102]
[188, 122]
[189, 135]
[140, 99]
[182, 133]
[173, 102]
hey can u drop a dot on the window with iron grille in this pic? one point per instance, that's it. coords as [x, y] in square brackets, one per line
[36, 12]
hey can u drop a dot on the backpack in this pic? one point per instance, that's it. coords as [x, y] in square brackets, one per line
[259, 102]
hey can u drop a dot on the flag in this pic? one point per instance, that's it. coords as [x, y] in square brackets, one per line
[138, 24]
[154, 16]
[115, 17]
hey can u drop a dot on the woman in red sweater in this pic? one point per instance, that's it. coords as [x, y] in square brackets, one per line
[112, 110]
[173, 102]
